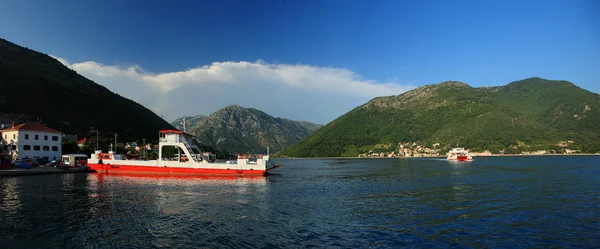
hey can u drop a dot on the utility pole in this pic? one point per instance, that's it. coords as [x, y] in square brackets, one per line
[144, 151]
[116, 144]
[97, 138]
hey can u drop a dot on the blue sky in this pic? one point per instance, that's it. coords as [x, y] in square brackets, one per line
[374, 47]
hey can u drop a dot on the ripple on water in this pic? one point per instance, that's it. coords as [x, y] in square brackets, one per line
[490, 202]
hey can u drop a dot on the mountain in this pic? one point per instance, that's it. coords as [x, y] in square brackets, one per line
[524, 115]
[37, 86]
[192, 122]
[240, 129]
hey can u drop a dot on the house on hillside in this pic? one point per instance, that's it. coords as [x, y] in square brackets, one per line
[31, 140]
[81, 142]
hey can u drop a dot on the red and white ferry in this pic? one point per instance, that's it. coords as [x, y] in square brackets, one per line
[186, 162]
[459, 154]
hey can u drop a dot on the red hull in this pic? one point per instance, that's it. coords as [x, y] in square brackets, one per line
[461, 158]
[103, 168]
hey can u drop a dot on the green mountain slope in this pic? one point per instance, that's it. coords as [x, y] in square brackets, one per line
[192, 122]
[35, 85]
[240, 129]
[524, 115]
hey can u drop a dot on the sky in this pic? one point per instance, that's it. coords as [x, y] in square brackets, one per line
[309, 60]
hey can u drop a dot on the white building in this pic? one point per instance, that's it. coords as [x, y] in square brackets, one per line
[32, 140]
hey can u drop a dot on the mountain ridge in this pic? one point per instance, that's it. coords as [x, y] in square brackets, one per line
[522, 115]
[36, 86]
[240, 129]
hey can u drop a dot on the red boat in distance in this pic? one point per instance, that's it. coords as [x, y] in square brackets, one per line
[459, 154]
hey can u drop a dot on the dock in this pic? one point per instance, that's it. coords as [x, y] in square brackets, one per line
[14, 171]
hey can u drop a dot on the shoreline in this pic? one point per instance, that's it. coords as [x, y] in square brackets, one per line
[14, 171]
[494, 155]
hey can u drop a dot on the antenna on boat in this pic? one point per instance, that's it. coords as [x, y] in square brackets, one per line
[267, 150]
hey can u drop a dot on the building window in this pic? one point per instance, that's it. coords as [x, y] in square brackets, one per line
[45, 137]
[54, 158]
[26, 147]
[14, 147]
[36, 147]
[54, 138]
[5, 137]
[46, 148]
[27, 136]
[54, 148]
[14, 136]
[36, 137]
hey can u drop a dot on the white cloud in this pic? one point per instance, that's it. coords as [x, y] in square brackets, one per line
[299, 92]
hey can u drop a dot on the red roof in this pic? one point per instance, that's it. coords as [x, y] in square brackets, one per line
[31, 127]
[82, 141]
[170, 131]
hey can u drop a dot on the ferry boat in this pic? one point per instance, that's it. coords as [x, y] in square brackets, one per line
[186, 162]
[459, 154]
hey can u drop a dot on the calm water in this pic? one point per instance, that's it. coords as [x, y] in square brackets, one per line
[494, 202]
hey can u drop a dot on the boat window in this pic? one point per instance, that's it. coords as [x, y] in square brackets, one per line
[66, 159]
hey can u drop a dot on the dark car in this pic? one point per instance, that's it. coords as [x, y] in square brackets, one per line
[40, 161]
[29, 161]
[4, 163]
[21, 163]
[54, 163]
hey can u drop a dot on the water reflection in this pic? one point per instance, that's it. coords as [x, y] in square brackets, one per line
[9, 196]
[101, 178]
[393, 203]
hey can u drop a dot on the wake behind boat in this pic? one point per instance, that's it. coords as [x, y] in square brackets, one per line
[459, 154]
[185, 163]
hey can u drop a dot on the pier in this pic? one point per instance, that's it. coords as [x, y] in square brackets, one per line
[14, 171]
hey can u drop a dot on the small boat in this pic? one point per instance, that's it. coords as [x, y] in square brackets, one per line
[186, 162]
[459, 154]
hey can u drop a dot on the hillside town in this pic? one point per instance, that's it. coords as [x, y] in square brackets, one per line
[414, 149]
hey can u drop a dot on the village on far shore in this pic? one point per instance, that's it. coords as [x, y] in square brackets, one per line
[40, 142]
[415, 149]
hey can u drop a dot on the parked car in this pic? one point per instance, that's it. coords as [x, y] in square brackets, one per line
[22, 164]
[40, 161]
[54, 163]
[4, 163]
[28, 160]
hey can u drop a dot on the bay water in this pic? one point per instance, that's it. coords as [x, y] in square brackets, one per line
[491, 202]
